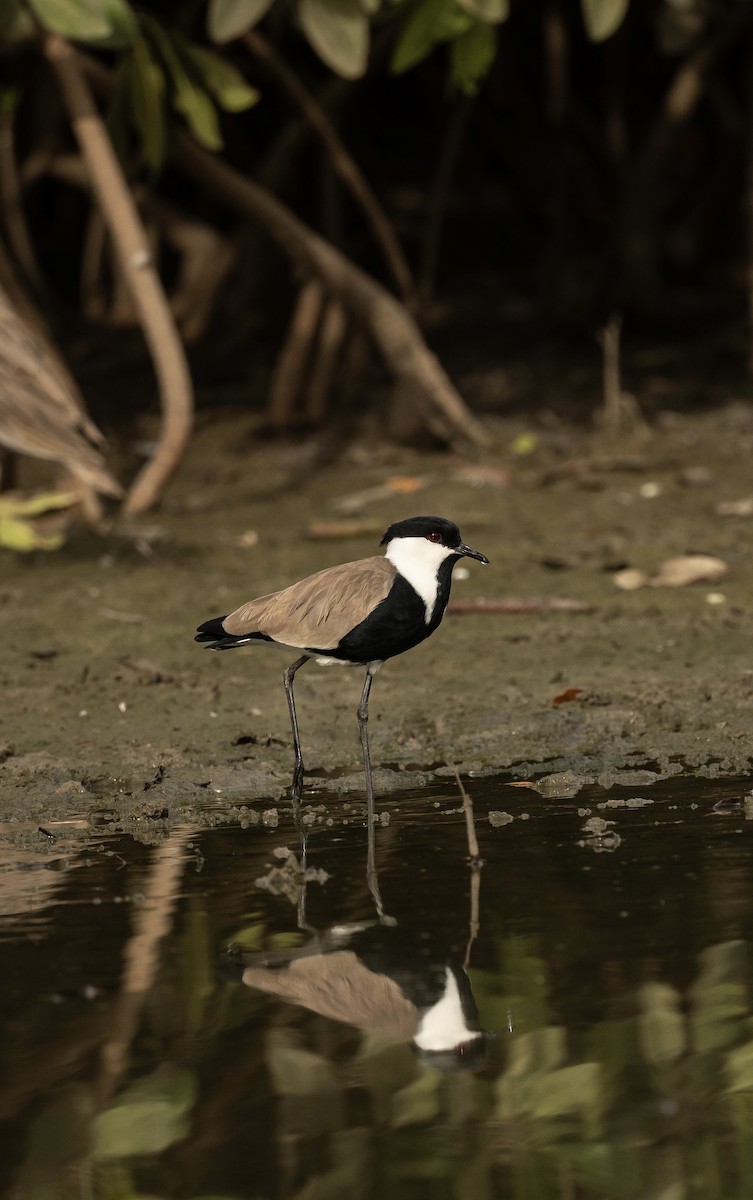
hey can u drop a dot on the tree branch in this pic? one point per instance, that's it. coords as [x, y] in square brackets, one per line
[132, 247]
[342, 162]
[390, 324]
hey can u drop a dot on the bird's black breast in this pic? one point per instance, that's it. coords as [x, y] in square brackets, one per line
[397, 624]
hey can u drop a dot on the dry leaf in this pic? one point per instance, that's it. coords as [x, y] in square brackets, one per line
[735, 508]
[674, 572]
[568, 694]
[689, 568]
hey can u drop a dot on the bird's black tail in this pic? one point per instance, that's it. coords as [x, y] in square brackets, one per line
[213, 632]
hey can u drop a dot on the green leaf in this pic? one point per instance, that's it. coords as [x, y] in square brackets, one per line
[190, 101]
[434, 21]
[146, 83]
[228, 19]
[84, 20]
[122, 22]
[494, 11]
[471, 56]
[338, 31]
[602, 18]
[221, 78]
[18, 532]
[148, 1116]
[34, 506]
[107, 22]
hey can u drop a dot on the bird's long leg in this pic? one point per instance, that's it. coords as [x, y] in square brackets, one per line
[288, 676]
[363, 723]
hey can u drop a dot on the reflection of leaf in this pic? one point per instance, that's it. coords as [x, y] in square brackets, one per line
[385, 1067]
[309, 1092]
[251, 937]
[196, 963]
[540, 1050]
[296, 1071]
[148, 1116]
[661, 1025]
[521, 978]
[575, 1089]
[719, 996]
[739, 1068]
[60, 1131]
[417, 1103]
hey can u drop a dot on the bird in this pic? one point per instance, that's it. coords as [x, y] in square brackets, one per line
[354, 614]
[383, 980]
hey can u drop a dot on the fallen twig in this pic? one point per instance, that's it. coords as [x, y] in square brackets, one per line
[593, 466]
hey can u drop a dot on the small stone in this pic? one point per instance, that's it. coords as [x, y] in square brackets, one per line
[597, 825]
[560, 785]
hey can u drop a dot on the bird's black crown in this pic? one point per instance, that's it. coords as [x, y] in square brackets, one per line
[449, 534]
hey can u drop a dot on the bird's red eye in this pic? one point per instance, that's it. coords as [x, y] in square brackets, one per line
[434, 537]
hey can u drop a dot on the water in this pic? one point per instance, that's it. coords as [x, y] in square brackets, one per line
[611, 976]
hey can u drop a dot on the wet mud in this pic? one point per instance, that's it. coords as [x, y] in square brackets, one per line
[111, 712]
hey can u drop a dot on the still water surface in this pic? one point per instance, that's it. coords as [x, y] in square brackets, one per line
[151, 1047]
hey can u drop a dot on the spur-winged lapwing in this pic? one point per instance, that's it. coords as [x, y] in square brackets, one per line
[360, 613]
[381, 980]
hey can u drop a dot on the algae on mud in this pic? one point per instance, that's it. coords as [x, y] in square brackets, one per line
[109, 705]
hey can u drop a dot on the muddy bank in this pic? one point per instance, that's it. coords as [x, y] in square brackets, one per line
[109, 706]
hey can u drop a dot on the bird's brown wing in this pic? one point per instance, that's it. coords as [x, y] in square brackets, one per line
[320, 610]
[341, 987]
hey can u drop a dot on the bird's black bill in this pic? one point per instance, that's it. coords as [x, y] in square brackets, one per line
[466, 552]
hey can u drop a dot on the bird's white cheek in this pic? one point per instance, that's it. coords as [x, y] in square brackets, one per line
[418, 561]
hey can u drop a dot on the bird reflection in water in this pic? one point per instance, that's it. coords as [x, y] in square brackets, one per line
[380, 977]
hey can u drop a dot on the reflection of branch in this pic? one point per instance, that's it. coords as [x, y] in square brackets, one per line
[470, 827]
[476, 865]
[385, 318]
[341, 160]
[473, 921]
[130, 241]
[141, 958]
